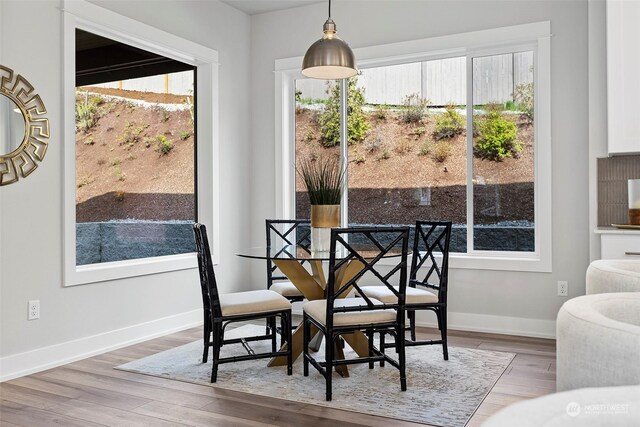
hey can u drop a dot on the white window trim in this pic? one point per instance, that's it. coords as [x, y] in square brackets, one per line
[536, 35]
[88, 17]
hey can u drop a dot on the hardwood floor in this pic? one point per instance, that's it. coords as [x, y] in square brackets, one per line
[91, 393]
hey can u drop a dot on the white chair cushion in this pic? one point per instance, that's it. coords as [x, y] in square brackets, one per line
[613, 275]
[414, 295]
[286, 289]
[598, 341]
[318, 310]
[251, 302]
[584, 407]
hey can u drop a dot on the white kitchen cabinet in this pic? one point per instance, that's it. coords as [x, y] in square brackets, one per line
[623, 71]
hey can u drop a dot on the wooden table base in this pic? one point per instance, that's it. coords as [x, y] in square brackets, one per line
[357, 341]
[313, 285]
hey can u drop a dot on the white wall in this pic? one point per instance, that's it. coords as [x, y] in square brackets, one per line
[490, 300]
[31, 210]
[597, 110]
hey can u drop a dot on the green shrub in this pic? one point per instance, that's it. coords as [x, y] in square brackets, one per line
[310, 101]
[164, 145]
[419, 131]
[414, 108]
[373, 142]
[449, 124]
[384, 155]
[442, 151]
[329, 120]
[184, 135]
[120, 175]
[381, 112]
[510, 106]
[164, 114]
[87, 113]
[403, 146]
[314, 116]
[132, 133]
[497, 137]
[85, 116]
[308, 136]
[425, 148]
[523, 96]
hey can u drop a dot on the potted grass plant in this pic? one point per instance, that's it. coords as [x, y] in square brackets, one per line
[323, 178]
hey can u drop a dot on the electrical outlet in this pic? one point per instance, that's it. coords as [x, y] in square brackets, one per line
[34, 310]
[563, 288]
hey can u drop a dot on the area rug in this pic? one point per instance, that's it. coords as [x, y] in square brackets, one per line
[439, 392]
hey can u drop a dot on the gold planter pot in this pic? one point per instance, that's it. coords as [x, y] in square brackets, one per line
[323, 219]
[325, 216]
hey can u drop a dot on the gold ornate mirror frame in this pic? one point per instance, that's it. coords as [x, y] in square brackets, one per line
[23, 160]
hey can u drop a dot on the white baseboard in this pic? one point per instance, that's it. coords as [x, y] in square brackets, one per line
[473, 322]
[29, 362]
[519, 326]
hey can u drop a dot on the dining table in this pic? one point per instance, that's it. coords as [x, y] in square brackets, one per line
[291, 260]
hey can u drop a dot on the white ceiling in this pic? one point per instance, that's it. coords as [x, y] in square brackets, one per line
[254, 7]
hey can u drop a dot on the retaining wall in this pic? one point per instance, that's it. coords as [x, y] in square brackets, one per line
[98, 242]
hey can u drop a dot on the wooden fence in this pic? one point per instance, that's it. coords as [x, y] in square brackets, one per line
[441, 81]
[180, 83]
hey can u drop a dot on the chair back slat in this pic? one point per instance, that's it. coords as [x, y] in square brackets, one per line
[282, 232]
[208, 285]
[366, 247]
[431, 254]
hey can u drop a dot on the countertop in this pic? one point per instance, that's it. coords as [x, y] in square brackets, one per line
[613, 230]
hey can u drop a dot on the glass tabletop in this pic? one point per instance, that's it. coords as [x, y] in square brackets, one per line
[302, 253]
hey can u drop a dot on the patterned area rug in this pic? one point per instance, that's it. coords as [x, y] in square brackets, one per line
[439, 392]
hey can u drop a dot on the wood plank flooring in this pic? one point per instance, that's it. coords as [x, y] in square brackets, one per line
[91, 393]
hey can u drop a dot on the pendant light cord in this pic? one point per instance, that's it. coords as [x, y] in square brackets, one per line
[329, 8]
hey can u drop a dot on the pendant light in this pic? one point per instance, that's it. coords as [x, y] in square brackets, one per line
[330, 58]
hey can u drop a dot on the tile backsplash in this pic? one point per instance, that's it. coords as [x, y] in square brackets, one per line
[613, 173]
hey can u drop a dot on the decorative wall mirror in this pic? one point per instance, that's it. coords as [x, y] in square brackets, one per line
[24, 128]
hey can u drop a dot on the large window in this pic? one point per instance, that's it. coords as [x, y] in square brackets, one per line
[446, 137]
[135, 152]
[133, 161]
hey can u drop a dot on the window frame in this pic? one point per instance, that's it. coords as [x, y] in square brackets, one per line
[105, 23]
[532, 37]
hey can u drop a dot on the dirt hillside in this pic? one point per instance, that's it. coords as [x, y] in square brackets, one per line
[389, 169]
[121, 172]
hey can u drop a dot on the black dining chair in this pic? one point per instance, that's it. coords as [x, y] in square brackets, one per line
[428, 280]
[220, 310]
[282, 232]
[337, 315]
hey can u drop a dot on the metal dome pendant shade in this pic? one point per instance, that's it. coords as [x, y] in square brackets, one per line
[330, 58]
